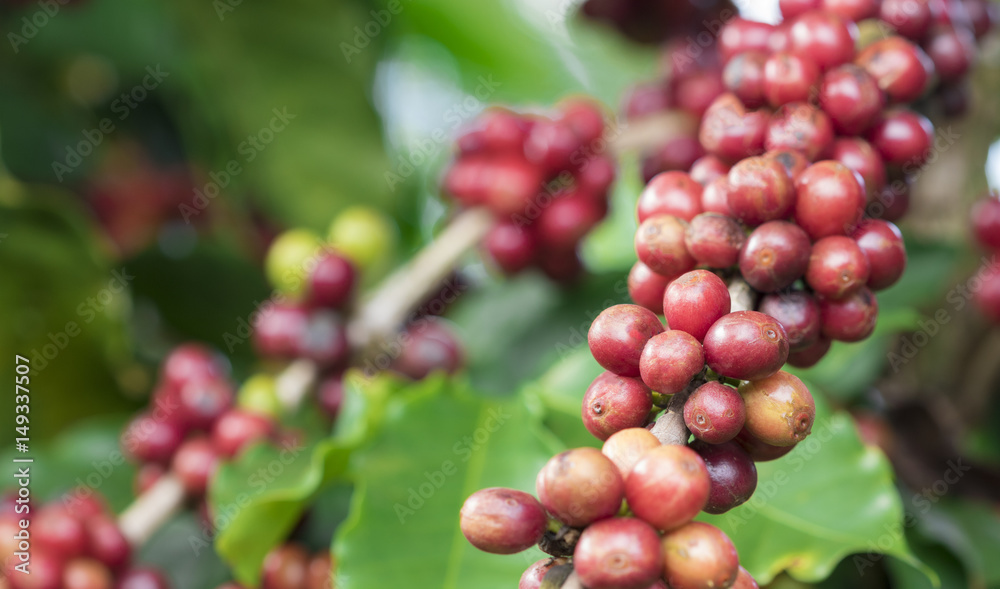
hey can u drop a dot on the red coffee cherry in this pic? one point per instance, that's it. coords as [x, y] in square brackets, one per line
[740, 35]
[694, 92]
[837, 267]
[851, 97]
[659, 243]
[147, 439]
[285, 567]
[596, 176]
[237, 429]
[46, 572]
[279, 330]
[759, 450]
[647, 288]
[746, 345]
[146, 476]
[850, 319]
[892, 203]
[801, 127]
[882, 244]
[730, 131]
[799, 313]
[551, 145]
[715, 198]
[194, 464]
[325, 340]
[677, 154]
[793, 8]
[502, 521]
[824, 37]
[982, 15]
[853, 10]
[567, 220]
[901, 68]
[55, 530]
[707, 169]
[106, 542]
[191, 362]
[533, 575]
[910, 18]
[903, 138]
[670, 361]
[780, 409]
[627, 447]
[830, 200]
[795, 162]
[203, 401]
[496, 130]
[320, 573]
[580, 487]
[952, 50]
[613, 403]
[670, 193]
[668, 486]
[561, 266]
[699, 556]
[986, 222]
[987, 298]
[732, 473]
[760, 190]
[744, 77]
[513, 248]
[85, 573]
[647, 98]
[790, 77]
[511, 183]
[745, 581]
[618, 553]
[859, 155]
[714, 240]
[810, 356]
[775, 255]
[331, 282]
[714, 413]
[584, 117]
[429, 346]
[694, 302]
[618, 336]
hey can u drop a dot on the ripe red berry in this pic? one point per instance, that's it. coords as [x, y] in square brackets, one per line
[561, 266]
[707, 169]
[824, 37]
[859, 155]
[850, 319]
[85, 573]
[147, 439]
[55, 530]
[194, 464]
[694, 302]
[882, 244]
[46, 572]
[534, 575]
[496, 130]
[780, 409]
[746, 345]
[579, 487]
[740, 35]
[285, 567]
[715, 198]
[774, 256]
[279, 330]
[730, 131]
[851, 97]
[732, 473]
[699, 556]
[513, 248]
[659, 243]
[695, 92]
[714, 413]
[551, 145]
[668, 486]
[510, 184]
[744, 77]
[647, 98]
[760, 190]
[613, 403]
[795, 162]
[910, 18]
[677, 154]
[324, 340]
[745, 581]
[670, 193]
[618, 336]
[986, 222]
[627, 447]
[203, 401]
[809, 356]
[189, 362]
[830, 200]
[792, 8]
[837, 267]
[853, 10]
[900, 68]
[790, 77]
[237, 429]
[584, 117]
[596, 176]
[801, 127]
[429, 346]
[714, 240]
[952, 50]
[146, 476]
[647, 288]
[799, 313]
[502, 521]
[618, 553]
[987, 297]
[670, 360]
[331, 282]
[903, 138]
[568, 219]
[106, 542]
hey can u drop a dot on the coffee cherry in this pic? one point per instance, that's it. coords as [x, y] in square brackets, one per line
[285, 568]
[744, 77]
[429, 346]
[760, 190]
[330, 394]
[511, 183]
[146, 476]
[289, 258]
[714, 413]
[793, 8]
[799, 313]
[618, 553]
[106, 543]
[714, 240]
[740, 35]
[84, 573]
[192, 362]
[203, 401]
[561, 266]
[982, 15]
[46, 572]
[535, 574]
[794, 161]
[780, 409]
[893, 202]
[759, 450]
[55, 530]
[745, 581]
[279, 330]
[903, 138]
[732, 473]
[830, 200]
[142, 578]
[900, 68]
[513, 248]
[647, 288]
[194, 464]
[618, 336]
[147, 439]
[659, 243]
[837, 267]
[668, 486]
[678, 153]
[987, 298]
[707, 169]
[699, 556]
[259, 394]
[568, 219]
[824, 37]
[551, 145]
[910, 18]
[695, 91]
[647, 98]
[584, 118]
[952, 50]
[730, 131]
[502, 521]
[811, 355]
[775, 255]
[613, 403]
[694, 302]
[237, 429]
[850, 319]
[670, 193]
[986, 222]
[579, 487]
[496, 130]
[670, 360]
[882, 244]
[746, 345]
[851, 97]
[596, 176]
[801, 127]
[331, 282]
[853, 10]
[790, 77]
[320, 572]
[626, 447]
[715, 199]
[859, 155]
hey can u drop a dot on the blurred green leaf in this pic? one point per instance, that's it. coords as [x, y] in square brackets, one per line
[178, 550]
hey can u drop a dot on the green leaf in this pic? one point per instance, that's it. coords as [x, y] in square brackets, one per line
[179, 550]
[437, 446]
[830, 497]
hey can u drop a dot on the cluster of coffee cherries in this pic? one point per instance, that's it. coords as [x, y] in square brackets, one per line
[290, 566]
[546, 181]
[986, 228]
[75, 543]
[653, 21]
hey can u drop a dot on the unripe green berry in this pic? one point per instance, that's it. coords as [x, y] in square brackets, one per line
[289, 260]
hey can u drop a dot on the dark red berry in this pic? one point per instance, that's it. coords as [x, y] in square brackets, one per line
[237, 429]
[910, 18]
[810, 356]
[986, 222]
[952, 50]
[987, 296]
[744, 77]
[859, 155]
[830, 200]
[882, 244]
[853, 10]
[851, 97]
[670, 360]
[732, 473]
[55, 530]
[746, 345]
[502, 521]
[331, 282]
[668, 486]
[647, 288]
[551, 145]
[106, 542]
[792, 8]
[618, 336]
[801, 127]
[730, 131]
[613, 403]
[203, 401]
[837, 267]
[799, 313]
[715, 199]
[513, 248]
[714, 413]
[694, 302]
[824, 37]
[775, 255]
[148, 439]
[535, 574]
[760, 190]
[279, 330]
[190, 362]
[567, 220]
[852, 318]
[715, 240]
[758, 450]
[194, 464]
[903, 138]
[707, 169]
[428, 346]
[740, 35]
[795, 162]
